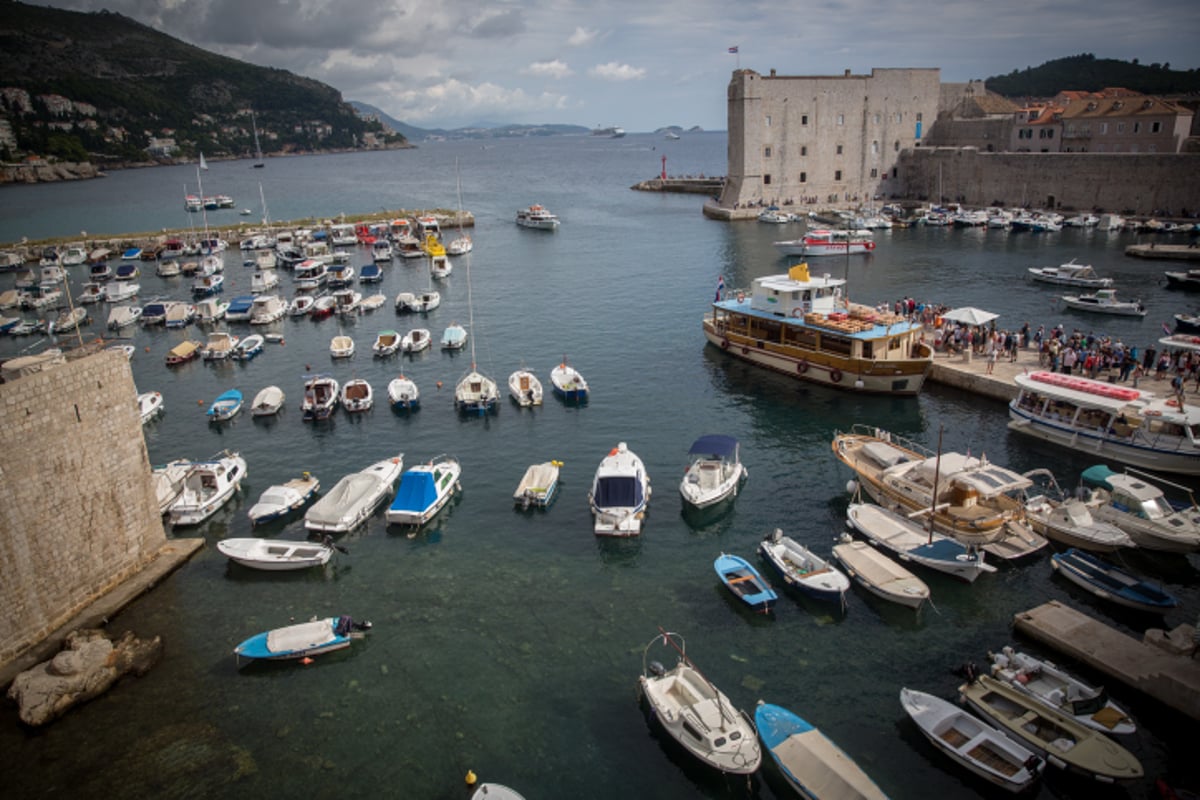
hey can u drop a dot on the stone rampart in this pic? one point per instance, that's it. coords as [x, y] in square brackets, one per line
[78, 513]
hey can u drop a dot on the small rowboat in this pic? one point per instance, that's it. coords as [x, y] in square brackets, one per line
[277, 556]
[880, 575]
[811, 762]
[803, 569]
[302, 640]
[1110, 582]
[744, 581]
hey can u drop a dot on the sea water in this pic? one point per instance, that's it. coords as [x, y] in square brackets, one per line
[509, 642]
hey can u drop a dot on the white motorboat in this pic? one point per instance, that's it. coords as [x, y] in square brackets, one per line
[149, 405]
[357, 395]
[460, 245]
[524, 388]
[239, 308]
[309, 274]
[300, 305]
[714, 472]
[1067, 520]
[168, 482]
[275, 555]
[346, 301]
[1055, 688]
[427, 301]
[403, 394]
[320, 397]
[323, 306]
[355, 497]
[90, 292]
[120, 292]
[476, 393]
[211, 311]
[440, 266]
[68, 320]
[1132, 502]
[207, 487]
[281, 499]
[341, 346]
[775, 216]
[537, 217]
[168, 269]
[372, 301]
[696, 713]
[973, 743]
[1134, 426]
[248, 347]
[220, 346]
[620, 493]
[205, 285]
[454, 337]
[386, 343]
[909, 541]
[416, 340]
[568, 383]
[267, 308]
[73, 256]
[267, 402]
[424, 491]
[828, 243]
[1104, 301]
[880, 575]
[180, 315]
[381, 250]
[802, 569]
[341, 276]
[538, 485]
[1070, 274]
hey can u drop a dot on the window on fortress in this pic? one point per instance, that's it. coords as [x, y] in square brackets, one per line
[839, 149]
[875, 148]
[1137, 127]
[876, 118]
[841, 119]
[1156, 127]
[768, 120]
[1120, 127]
[897, 116]
[767, 151]
[897, 147]
[804, 119]
[837, 175]
[766, 180]
[804, 177]
[874, 172]
[803, 149]
[1103, 128]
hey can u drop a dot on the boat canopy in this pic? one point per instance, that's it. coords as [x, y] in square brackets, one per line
[304, 635]
[343, 500]
[418, 491]
[618, 491]
[991, 480]
[715, 444]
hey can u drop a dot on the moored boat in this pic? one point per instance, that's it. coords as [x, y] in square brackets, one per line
[248, 347]
[1068, 520]
[745, 583]
[302, 640]
[281, 499]
[1109, 582]
[476, 393]
[415, 340]
[714, 472]
[813, 765]
[620, 493]
[357, 395]
[403, 394]
[424, 491]
[207, 486]
[386, 343]
[354, 498]
[149, 405]
[341, 346]
[1132, 502]
[226, 405]
[454, 337]
[524, 388]
[538, 485]
[908, 541]
[802, 569]
[267, 402]
[803, 327]
[320, 397]
[880, 575]
[183, 353]
[275, 555]
[568, 383]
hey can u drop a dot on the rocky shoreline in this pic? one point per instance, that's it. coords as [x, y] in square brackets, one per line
[44, 172]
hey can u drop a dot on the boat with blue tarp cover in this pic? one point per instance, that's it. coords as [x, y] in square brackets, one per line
[424, 490]
[804, 327]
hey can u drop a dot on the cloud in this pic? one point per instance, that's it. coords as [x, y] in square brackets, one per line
[454, 102]
[549, 69]
[612, 71]
[581, 36]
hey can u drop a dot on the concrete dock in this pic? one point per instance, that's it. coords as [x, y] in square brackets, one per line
[1172, 679]
[1166, 252]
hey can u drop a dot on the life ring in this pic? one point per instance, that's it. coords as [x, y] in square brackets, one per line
[1173, 403]
[797, 313]
[725, 344]
[741, 297]
[835, 375]
[1152, 413]
[802, 367]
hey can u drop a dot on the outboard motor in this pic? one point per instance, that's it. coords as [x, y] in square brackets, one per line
[656, 669]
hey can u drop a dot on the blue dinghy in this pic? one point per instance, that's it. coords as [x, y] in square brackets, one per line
[1110, 582]
[225, 406]
[744, 581]
[811, 762]
[302, 640]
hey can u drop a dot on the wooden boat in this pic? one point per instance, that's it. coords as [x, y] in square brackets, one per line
[974, 501]
[568, 384]
[424, 491]
[803, 327]
[538, 485]
[226, 405]
[880, 575]
[971, 742]
[275, 555]
[745, 582]
[620, 493]
[320, 397]
[714, 472]
[303, 640]
[524, 388]
[812, 764]
[267, 402]
[403, 394]
[1052, 686]
[282, 499]
[1063, 742]
[207, 486]
[357, 395]
[1110, 582]
[802, 569]
[696, 713]
[354, 498]
[909, 542]
[1132, 502]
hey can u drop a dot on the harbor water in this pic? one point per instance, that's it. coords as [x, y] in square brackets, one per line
[509, 642]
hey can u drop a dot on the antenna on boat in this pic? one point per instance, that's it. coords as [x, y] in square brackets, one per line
[937, 469]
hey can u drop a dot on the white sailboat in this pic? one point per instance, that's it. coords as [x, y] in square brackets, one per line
[475, 393]
[460, 244]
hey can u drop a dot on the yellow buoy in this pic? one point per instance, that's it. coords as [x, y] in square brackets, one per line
[471, 778]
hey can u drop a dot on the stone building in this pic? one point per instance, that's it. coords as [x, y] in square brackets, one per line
[813, 141]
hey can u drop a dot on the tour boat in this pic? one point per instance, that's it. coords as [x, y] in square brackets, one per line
[1134, 426]
[537, 217]
[620, 493]
[803, 327]
[424, 491]
[1070, 274]
[828, 243]
[207, 487]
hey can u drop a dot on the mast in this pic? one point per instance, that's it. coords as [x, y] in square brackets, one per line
[258, 156]
[937, 469]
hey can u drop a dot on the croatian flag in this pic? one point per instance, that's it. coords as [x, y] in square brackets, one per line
[733, 49]
[720, 287]
[1166, 329]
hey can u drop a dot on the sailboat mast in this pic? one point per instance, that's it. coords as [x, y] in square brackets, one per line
[937, 471]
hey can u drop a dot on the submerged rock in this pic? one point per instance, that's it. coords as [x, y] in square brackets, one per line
[88, 665]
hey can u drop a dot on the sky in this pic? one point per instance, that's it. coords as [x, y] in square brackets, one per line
[643, 65]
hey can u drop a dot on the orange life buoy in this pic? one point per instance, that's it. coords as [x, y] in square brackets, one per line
[802, 367]
[797, 312]
[835, 375]
[1173, 403]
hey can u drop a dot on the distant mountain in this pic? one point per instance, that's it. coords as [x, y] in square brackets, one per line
[102, 86]
[1087, 73]
[480, 130]
[410, 132]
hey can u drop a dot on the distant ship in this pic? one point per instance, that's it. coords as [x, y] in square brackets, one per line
[612, 133]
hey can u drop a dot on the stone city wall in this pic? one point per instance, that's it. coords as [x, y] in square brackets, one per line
[78, 512]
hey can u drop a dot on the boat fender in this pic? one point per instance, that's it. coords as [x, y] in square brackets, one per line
[835, 375]
[724, 344]
[802, 367]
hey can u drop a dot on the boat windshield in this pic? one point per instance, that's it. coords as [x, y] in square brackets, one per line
[618, 491]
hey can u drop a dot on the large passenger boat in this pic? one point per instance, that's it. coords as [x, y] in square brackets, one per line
[832, 242]
[804, 327]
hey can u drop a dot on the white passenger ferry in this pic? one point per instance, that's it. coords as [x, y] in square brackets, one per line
[803, 327]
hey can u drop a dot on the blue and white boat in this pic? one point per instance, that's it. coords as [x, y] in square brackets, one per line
[620, 493]
[208, 285]
[741, 578]
[908, 541]
[302, 640]
[131, 254]
[424, 490]
[538, 486]
[568, 383]
[284, 498]
[1109, 582]
[225, 406]
[370, 273]
[813, 765]
[403, 394]
[240, 308]
[248, 347]
[804, 570]
[127, 272]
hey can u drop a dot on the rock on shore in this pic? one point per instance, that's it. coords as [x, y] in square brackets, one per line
[88, 665]
[43, 172]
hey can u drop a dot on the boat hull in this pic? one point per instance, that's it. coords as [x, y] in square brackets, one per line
[1101, 444]
[1109, 583]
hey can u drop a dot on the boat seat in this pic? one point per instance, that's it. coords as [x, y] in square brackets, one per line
[742, 579]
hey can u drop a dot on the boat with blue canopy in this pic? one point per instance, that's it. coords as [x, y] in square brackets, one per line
[424, 490]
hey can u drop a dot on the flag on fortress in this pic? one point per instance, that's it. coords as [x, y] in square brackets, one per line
[733, 49]
[720, 286]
